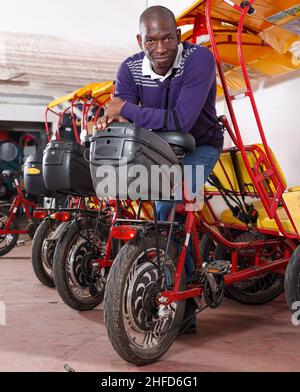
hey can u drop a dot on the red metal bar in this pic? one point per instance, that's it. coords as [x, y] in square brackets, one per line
[189, 222]
[74, 122]
[253, 271]
[47, 126]
[236, 245]
[196, 246]
[10, 231]
[226, 124]
[167, 297]
[103, 263]
[245, 43]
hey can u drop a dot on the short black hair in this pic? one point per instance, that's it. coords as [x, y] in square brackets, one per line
[157, 12]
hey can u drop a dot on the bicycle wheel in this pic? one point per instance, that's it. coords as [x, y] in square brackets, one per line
[292, 280]
[79, 284]
[43, 251]
[140, 330]
[7, 241]
[207, 248]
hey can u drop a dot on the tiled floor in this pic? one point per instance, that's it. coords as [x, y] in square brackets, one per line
[43, 334]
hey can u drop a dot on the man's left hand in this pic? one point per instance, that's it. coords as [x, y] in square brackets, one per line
[113, 109]
[111, 114]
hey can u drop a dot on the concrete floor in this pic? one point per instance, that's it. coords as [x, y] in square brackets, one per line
[43, 334]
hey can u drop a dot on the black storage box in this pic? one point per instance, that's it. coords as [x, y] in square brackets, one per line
[113, 178]
[33, 176]
[65, 168]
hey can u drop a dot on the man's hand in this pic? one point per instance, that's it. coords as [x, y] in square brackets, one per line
[111, 114]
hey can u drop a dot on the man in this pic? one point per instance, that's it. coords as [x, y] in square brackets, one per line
[169, 86]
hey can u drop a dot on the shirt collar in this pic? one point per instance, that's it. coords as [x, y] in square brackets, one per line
[148, 71]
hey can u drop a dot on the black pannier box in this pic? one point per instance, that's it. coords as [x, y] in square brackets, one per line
[130, 162]
[33, 176]
[65, 168]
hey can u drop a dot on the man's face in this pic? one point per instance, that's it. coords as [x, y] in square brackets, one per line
[159, 40]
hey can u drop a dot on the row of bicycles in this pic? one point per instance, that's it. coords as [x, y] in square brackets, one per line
[96, 248]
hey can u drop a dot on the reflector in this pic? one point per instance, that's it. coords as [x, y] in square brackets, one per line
[124, 233]
[62, 216]
[39, 214]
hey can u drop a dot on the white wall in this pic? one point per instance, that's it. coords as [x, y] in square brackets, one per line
[113, 22]
[279, 109]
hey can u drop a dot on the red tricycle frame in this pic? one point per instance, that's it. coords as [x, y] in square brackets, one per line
[19, 200]
[270, 198]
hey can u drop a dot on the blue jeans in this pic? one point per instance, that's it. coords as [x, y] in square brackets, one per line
[203, 155]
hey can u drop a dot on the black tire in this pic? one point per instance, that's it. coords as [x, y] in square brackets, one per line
[257, 290]
[43, 251]
[7, 241]
[292, 279]
[207, 248]
[125, 314]
[73, 273]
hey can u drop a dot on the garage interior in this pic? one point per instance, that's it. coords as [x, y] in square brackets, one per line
[48, 64]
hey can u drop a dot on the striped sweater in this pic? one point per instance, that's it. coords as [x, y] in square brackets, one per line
[185, 100]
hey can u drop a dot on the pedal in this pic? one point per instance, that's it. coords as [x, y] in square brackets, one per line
[219, 267]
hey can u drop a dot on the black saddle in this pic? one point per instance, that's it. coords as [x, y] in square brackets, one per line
[181, 142]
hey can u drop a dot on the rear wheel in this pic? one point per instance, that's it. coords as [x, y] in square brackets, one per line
[43, 251]
[81, 285]
[207, 248]
[259, 289]
[140, 329]
[7, 241]
[292, 279]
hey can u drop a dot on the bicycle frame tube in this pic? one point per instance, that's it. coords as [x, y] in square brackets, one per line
[19, 200]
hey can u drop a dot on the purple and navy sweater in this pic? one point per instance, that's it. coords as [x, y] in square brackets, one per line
[185, 100]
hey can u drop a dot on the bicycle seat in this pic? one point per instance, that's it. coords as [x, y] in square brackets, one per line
[9, 173]
[181, 142]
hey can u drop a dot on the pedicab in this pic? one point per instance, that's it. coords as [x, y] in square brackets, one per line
[72, 114]
[79, 250]
[146, 289]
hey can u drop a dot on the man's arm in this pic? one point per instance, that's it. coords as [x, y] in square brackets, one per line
[125, 91]
[199, 75]
[125, 87]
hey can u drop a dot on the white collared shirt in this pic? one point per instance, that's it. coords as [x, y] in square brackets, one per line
[148, 71]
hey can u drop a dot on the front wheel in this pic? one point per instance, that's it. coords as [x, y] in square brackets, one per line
[292, 280]
[79, 284]
[43, 250]
[207, 248]
[140, 329]
[7, 241]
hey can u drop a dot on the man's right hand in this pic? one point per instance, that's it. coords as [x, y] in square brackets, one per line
[104, 121]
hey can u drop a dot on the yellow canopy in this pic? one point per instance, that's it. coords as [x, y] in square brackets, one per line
[99, 90]
[271, 37]
[96, 90]
[64, 98]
